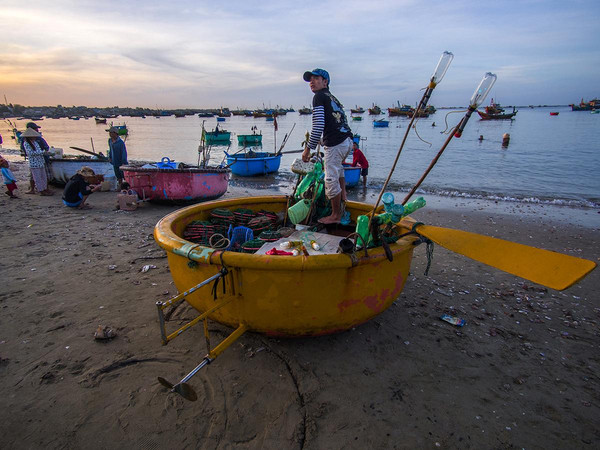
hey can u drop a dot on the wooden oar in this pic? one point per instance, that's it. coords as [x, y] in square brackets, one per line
[88, 152]
[551, 269]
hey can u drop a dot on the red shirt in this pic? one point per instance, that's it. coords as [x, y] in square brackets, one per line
[358, 158]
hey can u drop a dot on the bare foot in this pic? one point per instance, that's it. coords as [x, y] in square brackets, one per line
[30, 192]
[329, 220]
[84, 207]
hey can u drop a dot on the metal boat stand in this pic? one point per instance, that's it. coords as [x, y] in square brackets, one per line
[182, 388]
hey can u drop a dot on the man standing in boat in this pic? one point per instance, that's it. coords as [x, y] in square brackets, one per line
[329, 122]
[117, 153]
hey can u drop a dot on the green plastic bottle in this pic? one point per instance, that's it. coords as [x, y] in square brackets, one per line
[362, 228]
[411, 207]
[388, 201]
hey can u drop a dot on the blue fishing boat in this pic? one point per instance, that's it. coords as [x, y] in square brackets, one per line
[220, 119]
[252, 163]
[352, 175]
[381, 123]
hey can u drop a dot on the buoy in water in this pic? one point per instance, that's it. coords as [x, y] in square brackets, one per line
[505, 139]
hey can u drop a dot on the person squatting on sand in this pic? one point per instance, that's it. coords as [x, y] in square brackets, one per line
[78, 189]
[9, 178]
[37, 163]
[329, 121]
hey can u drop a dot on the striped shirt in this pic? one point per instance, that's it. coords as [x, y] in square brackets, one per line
[328, 121]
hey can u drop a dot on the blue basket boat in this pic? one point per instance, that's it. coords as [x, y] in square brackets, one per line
[381, 123]
[253, 163]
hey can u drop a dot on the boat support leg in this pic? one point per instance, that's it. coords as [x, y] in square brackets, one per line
[184, 389]
[173, 301]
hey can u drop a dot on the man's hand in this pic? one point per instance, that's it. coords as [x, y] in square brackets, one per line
[306, 154]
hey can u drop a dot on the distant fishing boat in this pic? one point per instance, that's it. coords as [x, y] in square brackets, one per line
[304, 111]
[507, 116]
[250, 139]
[554, 114]
[405, 110]
[217, 137]
[586, 106]
[100, 119]
[381, 123]
[121, 129]
[496, 112]
[374, 110]
[357, 118]
[357, 110]
[220, 119]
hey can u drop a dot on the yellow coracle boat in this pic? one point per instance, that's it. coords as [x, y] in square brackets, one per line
[284, 295]
[320, 293]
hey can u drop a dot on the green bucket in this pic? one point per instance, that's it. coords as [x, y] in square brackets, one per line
[299, 211]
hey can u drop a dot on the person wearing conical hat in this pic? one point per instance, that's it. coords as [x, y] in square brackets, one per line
[37, 164]
[43, 145]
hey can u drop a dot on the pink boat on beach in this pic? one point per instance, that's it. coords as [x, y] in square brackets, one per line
[176, 183]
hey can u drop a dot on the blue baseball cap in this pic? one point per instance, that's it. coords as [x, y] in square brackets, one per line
[317, 72]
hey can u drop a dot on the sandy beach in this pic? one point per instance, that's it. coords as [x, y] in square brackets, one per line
[522, 372]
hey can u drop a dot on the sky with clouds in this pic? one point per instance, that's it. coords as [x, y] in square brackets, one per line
[202, 54]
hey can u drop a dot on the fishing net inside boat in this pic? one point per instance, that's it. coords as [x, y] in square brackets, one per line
[199, 231]
[269, 236]
[243, 216]
[252, 246]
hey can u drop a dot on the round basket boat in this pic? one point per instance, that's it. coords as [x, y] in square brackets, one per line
[186, 184]
[283, 295]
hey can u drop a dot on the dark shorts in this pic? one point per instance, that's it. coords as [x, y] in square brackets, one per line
[118, 172]
[11, 186]
[364, 172]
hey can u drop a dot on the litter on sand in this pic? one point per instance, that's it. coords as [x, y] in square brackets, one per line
[453, 320]
[104, 332]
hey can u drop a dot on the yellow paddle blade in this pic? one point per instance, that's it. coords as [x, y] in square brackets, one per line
[551, 269]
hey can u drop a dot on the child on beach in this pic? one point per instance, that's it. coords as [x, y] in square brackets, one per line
[359, 159]
[9, 178]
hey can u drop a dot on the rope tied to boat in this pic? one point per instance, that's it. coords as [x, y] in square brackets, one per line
[422, 240]
[224, 271]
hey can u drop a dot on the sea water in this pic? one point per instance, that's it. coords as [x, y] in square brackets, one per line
[550, 159]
